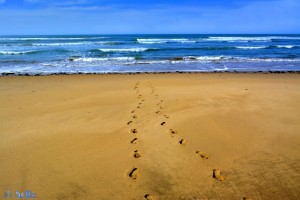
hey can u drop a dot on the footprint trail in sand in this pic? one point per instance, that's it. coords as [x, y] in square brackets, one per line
[146, 103]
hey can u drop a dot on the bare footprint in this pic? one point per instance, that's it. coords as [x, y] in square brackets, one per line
[137, 154]
[134, 116]
[134, 173]
[173, 132]
[163, 123]
[138, 107]
[157, 112]
[202, 155]
[149, 197]
[247, 198]
[133, 111]
[134, 131]
[143, 99]
[134, 141]
[129, 122]
[182, 141]
[217, 175]
[166, 116]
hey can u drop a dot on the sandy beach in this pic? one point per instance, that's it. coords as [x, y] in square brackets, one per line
[151, 136]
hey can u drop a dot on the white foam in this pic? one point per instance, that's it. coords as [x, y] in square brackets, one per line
[238, 59]
[285, 46]
[251, 47]
[153, 62]
[124, 50]
[252, 39]
[61, 44]
[160, 41]
[52, 38]
[237, 39]
[221, 69]
[104, 59]
[211, 58]
[14, 52]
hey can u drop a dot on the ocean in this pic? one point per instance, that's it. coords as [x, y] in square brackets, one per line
[71, 54]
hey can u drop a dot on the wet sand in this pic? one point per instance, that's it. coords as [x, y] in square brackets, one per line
[159, 136]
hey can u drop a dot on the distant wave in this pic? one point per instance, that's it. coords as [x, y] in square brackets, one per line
[91, 59]
[249, 39]
[231, 59]
[161, 41]
[192, 48]
[61, 44]
[52, 38]
[182, 59]
[124, 50]
[251, 47]
[64, 43]
[287, 46]
[17, 52]
[238, 39]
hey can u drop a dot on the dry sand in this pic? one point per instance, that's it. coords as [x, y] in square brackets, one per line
[225, 136]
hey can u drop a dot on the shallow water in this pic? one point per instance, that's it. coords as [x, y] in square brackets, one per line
[148, 53]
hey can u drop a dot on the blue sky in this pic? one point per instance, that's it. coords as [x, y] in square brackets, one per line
[148, 16]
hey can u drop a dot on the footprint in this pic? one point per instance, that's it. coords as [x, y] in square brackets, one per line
[143, 99]
[149, 197]
[161, 107]
[247, 198]
[166, 116]
[202, 155]
[134, 116]
[217, 175]
[163, 123]
[134, 173]
[133, 111]
[137, 154]
[134, 141]
[182, 141]
[129, 122]
[157, 112]
[161, 101]
[134, 131]
[173, 132]
[138, 107]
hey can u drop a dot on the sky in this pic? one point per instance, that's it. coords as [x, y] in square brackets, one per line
[33, 17]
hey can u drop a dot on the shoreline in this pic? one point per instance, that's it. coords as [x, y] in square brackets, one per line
[162, 72]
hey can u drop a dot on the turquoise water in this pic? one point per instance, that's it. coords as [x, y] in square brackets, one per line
[148, 53]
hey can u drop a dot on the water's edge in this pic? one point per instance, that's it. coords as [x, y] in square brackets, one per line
[162, 72]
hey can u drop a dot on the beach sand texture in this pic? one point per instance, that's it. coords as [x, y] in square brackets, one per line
[151, 136]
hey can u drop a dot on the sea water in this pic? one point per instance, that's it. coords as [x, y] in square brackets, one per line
[49, 54]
